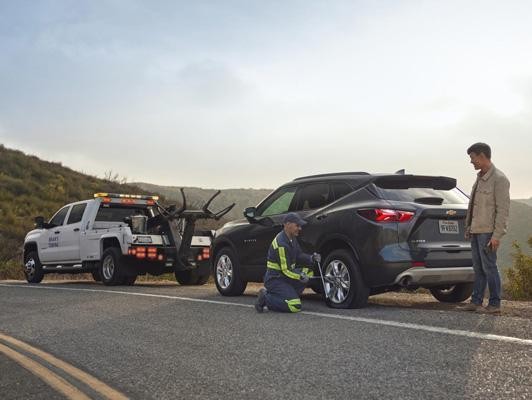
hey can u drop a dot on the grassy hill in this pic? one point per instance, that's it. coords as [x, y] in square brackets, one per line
[30, 187]
[197, 197]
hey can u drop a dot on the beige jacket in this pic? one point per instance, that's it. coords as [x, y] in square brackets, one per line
[489, 205]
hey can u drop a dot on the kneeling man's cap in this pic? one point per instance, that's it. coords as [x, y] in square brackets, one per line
[293, 217]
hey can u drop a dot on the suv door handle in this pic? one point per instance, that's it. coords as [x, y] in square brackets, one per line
[76, 229]
[57, 232]
[322, 216]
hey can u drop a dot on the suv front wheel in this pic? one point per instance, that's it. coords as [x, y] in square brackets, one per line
[343, 282]
[227, 273]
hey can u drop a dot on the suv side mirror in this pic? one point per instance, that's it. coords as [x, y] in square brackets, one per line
[39, 222]
[250, 213]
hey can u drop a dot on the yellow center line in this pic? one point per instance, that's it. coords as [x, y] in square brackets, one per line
[78, 374]
[53, 380]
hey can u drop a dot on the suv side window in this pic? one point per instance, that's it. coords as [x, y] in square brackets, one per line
[77, 213]
[278, 203]
[314, 196]
[59, 217]
[340, 189]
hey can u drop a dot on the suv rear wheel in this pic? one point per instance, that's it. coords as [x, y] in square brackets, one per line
[227, 273]
[453, 294]
[33, 268]
[343, 282]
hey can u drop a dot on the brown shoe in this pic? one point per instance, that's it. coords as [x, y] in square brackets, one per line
[471, 307]
[492, 309]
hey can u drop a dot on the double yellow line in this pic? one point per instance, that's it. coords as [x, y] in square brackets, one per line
[50, 377]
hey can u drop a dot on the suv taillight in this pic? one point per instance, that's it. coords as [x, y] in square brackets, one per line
[383, 215]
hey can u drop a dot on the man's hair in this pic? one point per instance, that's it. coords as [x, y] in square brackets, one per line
[480, 147]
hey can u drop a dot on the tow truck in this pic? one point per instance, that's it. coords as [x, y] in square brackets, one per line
[117, 237]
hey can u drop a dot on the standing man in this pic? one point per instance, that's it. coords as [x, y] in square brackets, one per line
[286, 275]
[486, 223]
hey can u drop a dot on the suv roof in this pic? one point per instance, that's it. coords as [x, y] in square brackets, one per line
[398, 180]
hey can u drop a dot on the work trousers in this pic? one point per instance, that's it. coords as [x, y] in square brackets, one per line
[486, 271]
[282, 292]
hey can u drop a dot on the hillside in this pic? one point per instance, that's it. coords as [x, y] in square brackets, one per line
[30, 187]
[197, 197]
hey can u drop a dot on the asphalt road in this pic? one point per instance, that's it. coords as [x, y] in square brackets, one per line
[174, 342]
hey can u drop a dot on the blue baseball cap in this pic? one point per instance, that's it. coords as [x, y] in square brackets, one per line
[293, 217]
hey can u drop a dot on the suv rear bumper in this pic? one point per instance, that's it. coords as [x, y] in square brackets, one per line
[421, 276]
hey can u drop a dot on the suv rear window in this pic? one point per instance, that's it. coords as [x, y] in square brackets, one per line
[423, 195]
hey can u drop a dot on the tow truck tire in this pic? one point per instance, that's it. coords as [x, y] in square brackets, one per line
[33, 268]
[227, 273]
[96, 275]
[129, 280]
[110, 267]
[191, 277]
[453, 294]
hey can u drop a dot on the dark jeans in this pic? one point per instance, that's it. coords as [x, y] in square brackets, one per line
[486, 272]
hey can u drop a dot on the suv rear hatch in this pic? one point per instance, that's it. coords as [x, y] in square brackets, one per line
[435, 234]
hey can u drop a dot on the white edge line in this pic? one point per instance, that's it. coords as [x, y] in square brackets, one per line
[404, 325]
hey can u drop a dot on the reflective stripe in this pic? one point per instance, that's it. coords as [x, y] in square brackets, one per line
[284, 265]
[272, 265]
[308, 271]
[294, 305]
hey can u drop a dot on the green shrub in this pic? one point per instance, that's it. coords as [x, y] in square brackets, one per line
[518, 284]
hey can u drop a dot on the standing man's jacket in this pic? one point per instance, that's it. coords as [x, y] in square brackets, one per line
[489, 205]
[284, 254]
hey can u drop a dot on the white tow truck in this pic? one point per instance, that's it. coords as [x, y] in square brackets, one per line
[117, 237]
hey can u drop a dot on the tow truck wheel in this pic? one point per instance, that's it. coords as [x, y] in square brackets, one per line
[129, 280]
[110, 267]
[33, 268]
[191, 277]
[227, 273]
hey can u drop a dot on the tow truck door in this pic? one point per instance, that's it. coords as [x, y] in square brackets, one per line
[70, 240]
[50, 240]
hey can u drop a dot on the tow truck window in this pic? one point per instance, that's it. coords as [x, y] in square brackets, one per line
[109, 213]
[59, 217]
[77, 213]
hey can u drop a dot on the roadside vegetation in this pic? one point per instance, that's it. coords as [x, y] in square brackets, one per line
[518, 285]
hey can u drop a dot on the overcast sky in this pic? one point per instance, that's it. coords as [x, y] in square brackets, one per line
[230, 94]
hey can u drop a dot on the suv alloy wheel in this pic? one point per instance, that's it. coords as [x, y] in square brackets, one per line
[343, 281]
[227, 273]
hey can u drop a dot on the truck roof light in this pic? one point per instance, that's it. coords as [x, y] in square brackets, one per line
[126, 196]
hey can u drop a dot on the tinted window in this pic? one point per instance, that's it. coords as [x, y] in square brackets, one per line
[278, 203]
[77, 213]
[117, 214]
[59, 217]
[424, 195]
[340, 189]
[314, 196]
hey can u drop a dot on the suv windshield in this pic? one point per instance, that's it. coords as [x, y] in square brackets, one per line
[423, 195]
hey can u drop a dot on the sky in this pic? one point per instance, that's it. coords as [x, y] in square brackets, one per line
[252, 94]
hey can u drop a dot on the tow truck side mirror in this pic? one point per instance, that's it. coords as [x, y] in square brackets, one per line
[39, 222]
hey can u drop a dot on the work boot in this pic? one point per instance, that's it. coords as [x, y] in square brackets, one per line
[471, 307]
[261, 300]
[492, 309]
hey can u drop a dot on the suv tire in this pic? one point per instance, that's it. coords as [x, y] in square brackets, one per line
[227, 273]
[111, 267]
[348, 289]
[33, 268]
[453, 294]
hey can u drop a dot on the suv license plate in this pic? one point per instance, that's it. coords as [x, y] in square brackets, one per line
[449, 227]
